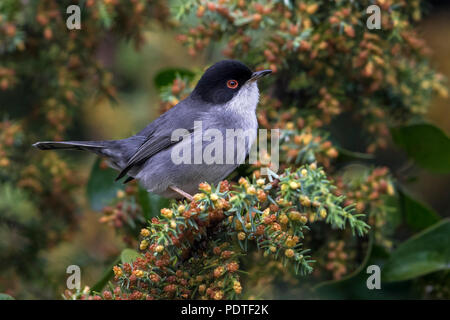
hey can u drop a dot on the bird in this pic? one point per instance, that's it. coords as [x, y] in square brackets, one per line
[220, 112]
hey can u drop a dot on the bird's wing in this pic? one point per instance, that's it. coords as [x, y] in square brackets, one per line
[159, 134]
[149, 148]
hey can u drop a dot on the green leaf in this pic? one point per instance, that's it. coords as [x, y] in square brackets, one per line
[241, 21]
[129, 255]
[394, 216]
[165, 77]
[101, 187]
[426, 252]
[353, 154]
[4, 296]
[418, 216]
[150, 203]
[107, 275]
[428, 145]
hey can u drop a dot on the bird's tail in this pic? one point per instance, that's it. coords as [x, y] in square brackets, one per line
[112, 150]
[94, 146]
[116, 151]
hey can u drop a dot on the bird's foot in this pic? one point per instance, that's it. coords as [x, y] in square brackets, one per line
[181, 192]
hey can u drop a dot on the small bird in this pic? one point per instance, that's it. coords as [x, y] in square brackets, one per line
[223, 101]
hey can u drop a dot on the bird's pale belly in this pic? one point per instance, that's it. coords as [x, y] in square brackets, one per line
[166, 169]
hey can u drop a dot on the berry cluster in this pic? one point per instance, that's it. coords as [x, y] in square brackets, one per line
[191, 250]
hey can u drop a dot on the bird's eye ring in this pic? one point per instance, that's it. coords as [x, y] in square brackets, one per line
[232, 84]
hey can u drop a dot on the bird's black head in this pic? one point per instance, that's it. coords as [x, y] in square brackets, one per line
[223, 80]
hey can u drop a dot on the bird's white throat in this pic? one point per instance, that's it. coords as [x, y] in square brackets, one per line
[245, 101]
[244, 104]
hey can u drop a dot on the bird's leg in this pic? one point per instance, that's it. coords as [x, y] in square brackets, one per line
[181, 192]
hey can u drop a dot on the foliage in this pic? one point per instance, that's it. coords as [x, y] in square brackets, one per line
[328, 67]
[424, 253]
[327, 61]
[414, 139]
[340, 93]
[46, 73]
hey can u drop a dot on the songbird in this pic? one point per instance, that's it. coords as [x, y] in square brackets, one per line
[223, 101]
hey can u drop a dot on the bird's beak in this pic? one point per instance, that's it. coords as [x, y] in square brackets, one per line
[259, 74]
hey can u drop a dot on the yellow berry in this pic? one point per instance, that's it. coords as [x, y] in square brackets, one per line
[251, 190]
[260, 182]
[303, 219]
[390, 189]
[237, 287]
[290, 242]
[294, 185]
[199, 196]
[143, 245]
[289, 253]
[117, 271]
[214, 197]
[138, 273]
[120, 194]
[295, 215]
[304, 201]
[167, 213]
[218, 295]
[290, 126]
[4, 162]
[205, 187]
[283, 219]
[312, 8]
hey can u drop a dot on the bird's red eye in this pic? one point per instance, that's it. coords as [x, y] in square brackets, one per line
[232, 84]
